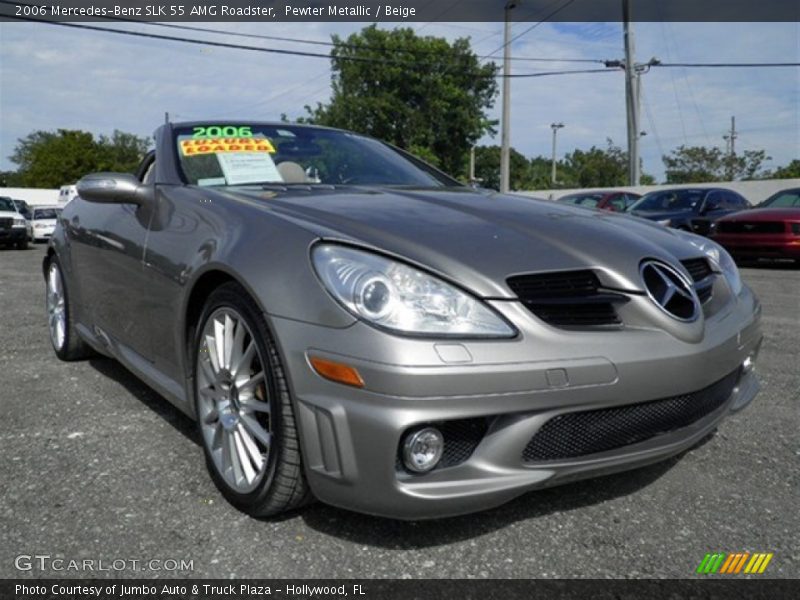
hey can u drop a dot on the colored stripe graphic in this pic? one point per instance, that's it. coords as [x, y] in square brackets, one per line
[711, 562]
[734, 563]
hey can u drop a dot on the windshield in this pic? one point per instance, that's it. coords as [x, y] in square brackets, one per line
[45, 213]
[590, 200]
[670, 200]
[7, 205]
[787, 199]
[286, 154]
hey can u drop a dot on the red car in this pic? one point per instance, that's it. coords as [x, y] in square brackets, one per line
[613, 201]
[770, 230]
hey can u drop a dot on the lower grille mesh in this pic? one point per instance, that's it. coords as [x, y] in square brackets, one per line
[588, 432]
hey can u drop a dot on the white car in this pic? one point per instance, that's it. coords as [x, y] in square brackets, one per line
[43, 219]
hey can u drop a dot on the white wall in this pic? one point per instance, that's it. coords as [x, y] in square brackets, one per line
[754, 191]
[31, 195]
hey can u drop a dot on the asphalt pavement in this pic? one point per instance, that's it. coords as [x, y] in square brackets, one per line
[97, 467]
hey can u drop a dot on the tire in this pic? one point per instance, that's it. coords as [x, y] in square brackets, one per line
[246, 421]
[23, 245]
[66, 342]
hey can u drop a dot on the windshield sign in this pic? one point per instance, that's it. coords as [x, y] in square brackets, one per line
[254, 154]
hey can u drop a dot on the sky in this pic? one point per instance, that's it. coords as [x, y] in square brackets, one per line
[55, 77]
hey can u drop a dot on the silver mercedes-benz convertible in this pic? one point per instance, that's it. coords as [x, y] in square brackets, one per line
[347, 323]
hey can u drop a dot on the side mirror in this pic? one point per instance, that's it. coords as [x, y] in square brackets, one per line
[114, 188]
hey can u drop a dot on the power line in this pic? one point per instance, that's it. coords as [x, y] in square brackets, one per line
[730, 65]
[259, 36]
[346, 45]
[534, 26]
[284, 52]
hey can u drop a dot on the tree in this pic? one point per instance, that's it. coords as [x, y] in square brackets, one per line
[790, 171]
[487, 168]
[50, 159]
[435, 107]
[9, 179]
[122, 152]
[699, 164]
[595, 167]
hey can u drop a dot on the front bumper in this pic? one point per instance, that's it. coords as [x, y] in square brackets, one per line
[753, 246]
[43, 233]
[350, 437]
[15, 234]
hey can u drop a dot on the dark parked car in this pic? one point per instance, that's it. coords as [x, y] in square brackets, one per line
[615, 201]
[346, 322]
[690, 209]
[771, 230]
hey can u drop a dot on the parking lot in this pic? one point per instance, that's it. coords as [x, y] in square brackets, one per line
[97, 466]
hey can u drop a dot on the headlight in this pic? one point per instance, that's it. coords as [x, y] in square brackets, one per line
[719, 257]
[401, 298]
[19, 223]
[665, 222]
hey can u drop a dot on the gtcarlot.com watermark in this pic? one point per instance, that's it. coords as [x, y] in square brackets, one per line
[47, 562]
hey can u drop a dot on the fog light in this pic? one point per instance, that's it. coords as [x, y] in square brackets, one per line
[423, 449]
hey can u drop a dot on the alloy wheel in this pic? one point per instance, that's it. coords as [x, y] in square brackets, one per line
[232, 399]
[56, 307]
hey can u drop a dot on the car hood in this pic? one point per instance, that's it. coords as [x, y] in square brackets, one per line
[662, 215]
[765, 214]
[479, 239]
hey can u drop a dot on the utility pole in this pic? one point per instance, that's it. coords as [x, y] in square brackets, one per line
[472, 179]
[505, 127]
[555, 127]
[730, 144]
[730, 138]
[631, 96]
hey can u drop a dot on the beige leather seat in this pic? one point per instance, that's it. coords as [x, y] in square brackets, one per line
[292, 172]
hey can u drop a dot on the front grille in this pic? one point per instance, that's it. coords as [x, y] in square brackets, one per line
[570, 299]
[698, 268]
[750, 227]
[461, 437]
[577, 434]
[704, 293]
[6, 223]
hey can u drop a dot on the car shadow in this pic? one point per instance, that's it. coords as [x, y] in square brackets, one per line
[407, 535]
[113, 369]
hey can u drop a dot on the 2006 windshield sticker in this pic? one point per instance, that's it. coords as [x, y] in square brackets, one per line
[194, 147]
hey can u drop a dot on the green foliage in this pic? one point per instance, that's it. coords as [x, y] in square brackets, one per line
[122, 152]
[595, 167]
[49, 159]
[10, 179]
[700, 164]
[436, 110]
[487, 168]
[790, 171]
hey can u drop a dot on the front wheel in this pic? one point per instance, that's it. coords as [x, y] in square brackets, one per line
[60, 321]
[243, 407]
[23, 245]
